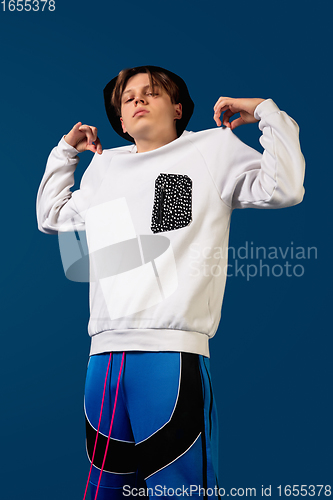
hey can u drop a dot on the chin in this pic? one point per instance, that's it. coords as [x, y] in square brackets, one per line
[142, 132]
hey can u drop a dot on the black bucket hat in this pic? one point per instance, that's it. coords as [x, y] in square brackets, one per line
[184, 99]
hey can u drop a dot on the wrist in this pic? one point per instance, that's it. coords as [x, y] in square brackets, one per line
[266, 107]
[69, 142]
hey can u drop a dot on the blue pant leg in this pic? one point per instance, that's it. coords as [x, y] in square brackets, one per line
[173, 419]
[211, 422]
[120, 467]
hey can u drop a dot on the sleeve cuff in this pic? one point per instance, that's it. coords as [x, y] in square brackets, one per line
[66, 149]
[265, 108]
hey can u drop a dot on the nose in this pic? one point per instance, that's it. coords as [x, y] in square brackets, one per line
[140, 99]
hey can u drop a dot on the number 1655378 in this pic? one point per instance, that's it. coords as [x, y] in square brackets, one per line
[28, 5]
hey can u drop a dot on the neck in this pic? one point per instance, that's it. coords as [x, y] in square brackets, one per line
[145, 144]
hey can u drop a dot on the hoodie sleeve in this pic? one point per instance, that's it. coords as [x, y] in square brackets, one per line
[246, 178]
[58, 208]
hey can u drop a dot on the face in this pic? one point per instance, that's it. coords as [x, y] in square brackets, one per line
[146, 114]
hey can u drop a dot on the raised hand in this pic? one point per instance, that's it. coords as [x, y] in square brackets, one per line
[84, 137]
[229, 107]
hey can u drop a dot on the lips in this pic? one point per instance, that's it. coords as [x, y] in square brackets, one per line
[140, 112]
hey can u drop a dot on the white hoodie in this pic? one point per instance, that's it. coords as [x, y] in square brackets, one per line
[157, 227]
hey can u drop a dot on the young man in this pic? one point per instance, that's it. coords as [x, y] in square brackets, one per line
[147, 210]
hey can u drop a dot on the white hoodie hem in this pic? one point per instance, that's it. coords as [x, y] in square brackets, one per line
[150, 340]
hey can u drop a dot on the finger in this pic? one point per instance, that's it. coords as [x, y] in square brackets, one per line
[222, 101]
[234, 105]
[86, 129]
[218, 110]
[235, 123]
[221, 109]
[77, 126]
[73, 135]
[94, 133]
[91, 147]
[217, 120]
[216, 117]
[98, 145]
[95, 147]
[226, 118]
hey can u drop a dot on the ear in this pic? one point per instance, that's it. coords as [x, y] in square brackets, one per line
[178, 111]
[122, 125]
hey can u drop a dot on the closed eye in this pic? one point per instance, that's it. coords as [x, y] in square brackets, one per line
[153, 94]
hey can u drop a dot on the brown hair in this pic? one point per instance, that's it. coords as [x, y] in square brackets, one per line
[155, 78]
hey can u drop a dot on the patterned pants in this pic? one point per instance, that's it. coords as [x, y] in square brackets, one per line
[163, 440]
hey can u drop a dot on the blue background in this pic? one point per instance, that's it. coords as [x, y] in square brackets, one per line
[272, 355]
